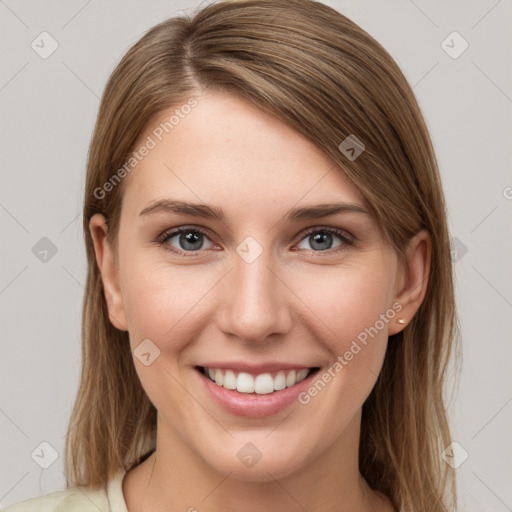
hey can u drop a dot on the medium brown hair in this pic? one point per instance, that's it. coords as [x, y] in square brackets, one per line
[324, 76]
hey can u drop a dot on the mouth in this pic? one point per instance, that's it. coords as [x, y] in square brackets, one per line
[246, 392]
[268, 383]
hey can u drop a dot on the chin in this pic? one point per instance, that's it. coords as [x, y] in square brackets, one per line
[252, 465]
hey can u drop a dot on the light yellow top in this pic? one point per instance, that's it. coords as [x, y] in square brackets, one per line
[78, 499]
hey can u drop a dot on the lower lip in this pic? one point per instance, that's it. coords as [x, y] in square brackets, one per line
[251, 404]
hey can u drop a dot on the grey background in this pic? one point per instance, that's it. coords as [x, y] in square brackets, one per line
[48, 109]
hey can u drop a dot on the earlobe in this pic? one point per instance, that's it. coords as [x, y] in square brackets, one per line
[412, 279]
[108, 269]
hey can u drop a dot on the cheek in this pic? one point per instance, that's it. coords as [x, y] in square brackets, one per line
[356, 307]
[353, 305]
[164, 303]
[348, 301]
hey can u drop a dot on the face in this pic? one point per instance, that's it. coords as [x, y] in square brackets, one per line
[258, 295]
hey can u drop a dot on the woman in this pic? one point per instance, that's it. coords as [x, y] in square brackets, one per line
[269, 310]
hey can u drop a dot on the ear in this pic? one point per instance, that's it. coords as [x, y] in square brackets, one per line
[412, 279]
[108, 269]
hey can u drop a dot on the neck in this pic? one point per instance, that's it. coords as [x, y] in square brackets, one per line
[175, 477]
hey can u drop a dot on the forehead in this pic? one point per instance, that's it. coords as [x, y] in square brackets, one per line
[225, 151]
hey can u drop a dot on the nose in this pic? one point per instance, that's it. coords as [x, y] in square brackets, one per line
[252, 305]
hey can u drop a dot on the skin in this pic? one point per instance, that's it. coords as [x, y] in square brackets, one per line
[303, 305]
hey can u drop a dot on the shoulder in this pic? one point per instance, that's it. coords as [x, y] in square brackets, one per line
[76, 499]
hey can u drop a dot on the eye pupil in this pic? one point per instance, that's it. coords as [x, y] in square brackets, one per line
[320, 237]
[189, 239]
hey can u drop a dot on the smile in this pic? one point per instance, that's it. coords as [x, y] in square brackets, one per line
[253, 389]
[260, 384]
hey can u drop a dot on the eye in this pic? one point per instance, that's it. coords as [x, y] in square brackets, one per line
[185, 240]
[193, 240]
[321, 239]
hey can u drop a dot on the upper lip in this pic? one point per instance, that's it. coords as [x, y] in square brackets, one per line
[255, 369]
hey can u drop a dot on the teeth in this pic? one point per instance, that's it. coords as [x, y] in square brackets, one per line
[219, 377]
[244, 382]
[279, 381]
[302, 374]
[229, 380]
[262, 384]
[290, 378]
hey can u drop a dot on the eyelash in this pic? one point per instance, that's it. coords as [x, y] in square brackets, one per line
[347, 240]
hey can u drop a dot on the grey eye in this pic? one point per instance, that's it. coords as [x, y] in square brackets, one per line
[188, 240]
[320, 240]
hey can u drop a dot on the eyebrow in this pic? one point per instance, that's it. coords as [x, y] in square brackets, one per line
[213, 212]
